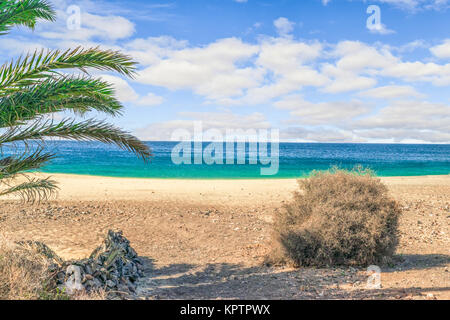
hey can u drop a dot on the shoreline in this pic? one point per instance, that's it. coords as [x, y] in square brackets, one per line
[56, 174]
[241, 192]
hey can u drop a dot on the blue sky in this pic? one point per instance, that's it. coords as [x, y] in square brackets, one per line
[310, 68]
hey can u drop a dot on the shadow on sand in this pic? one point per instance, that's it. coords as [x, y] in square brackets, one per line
[232, 281]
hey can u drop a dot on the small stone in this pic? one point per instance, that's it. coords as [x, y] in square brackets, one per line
[88, 269]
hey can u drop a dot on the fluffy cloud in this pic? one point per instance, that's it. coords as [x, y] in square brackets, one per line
[125, 93]
[442, 50]
[323, 113]
[414, 115]
[230, 71]
[355, 121]
[381, 29]
[289, 63]
[404, 136]
[301, 134]
[211, 71]
[354, 61]
[418, 71]
[391, 92]
[350, 83]
[94, 26]
[284, 26]
[85, 21]
[149, 100]
[221, 121]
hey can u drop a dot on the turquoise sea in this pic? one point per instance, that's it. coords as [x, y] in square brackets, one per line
[295, 160]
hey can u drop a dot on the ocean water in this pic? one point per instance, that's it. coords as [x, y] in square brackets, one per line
[295, 160]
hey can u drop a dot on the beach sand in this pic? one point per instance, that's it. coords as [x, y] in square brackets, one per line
[208, 238]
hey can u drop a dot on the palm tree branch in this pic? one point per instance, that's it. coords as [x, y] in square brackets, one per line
[10, 167]
[23, 13]
[32, 189]
[77, 94]
[88, 130]
[32, 68]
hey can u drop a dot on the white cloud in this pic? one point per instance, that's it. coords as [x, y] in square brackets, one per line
[221, 121]
[149, 100]
[442, 51]
[281, 55]
[357, 60]
[404, 136]
[402, 121]
[391, 92]
[349, 83]
[234, 72]
[284, 26]
[381, 29]
[322, 113]
[123, 91]
[434, 73]
[301, 134]
[108, 27]
[355, 56]
[211, 71]
[13, 47]
[414, 115]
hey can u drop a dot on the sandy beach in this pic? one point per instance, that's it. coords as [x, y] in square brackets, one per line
[208, 238]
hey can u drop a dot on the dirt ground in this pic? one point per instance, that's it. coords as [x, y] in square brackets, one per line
[212, 246]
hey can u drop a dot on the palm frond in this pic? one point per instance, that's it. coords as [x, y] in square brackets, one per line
[23, 13]
[34, 86]
[88, 130]
[31, 69]
[11, 167]
[33, 189]
[76, 94]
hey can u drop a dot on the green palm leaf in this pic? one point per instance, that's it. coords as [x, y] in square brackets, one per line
[10, 167]
[76, 94]
[87, 130]
[23, 12]
[33, 68]
[33, 87]
[33, 189]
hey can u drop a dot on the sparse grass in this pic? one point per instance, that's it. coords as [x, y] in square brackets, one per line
[27, 272]
[24, 273]
[337, 218]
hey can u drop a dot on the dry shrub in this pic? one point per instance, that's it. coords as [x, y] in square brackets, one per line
[337, 218]
[24, 272]
[27, 272]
